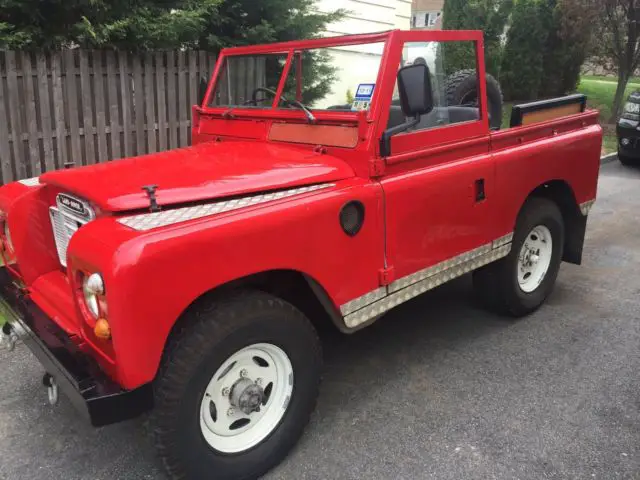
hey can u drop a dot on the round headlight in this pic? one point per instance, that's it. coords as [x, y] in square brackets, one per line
[95, 284]
[92, 286]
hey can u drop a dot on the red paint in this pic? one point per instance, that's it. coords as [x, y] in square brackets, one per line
[420, 207]
[203, 172]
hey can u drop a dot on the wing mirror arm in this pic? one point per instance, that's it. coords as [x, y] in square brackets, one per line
[385, 141]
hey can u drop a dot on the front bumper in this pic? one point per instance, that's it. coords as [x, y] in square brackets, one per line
[631, 135]
[97, 397]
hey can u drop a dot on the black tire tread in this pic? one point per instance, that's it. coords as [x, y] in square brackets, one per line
[204, 328]
[494, 92]
[493, 282]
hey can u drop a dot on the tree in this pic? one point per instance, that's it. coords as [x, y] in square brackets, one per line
[570, 35]
[245, 22]
[143, 24]
[490, 16]
[168, 24]
[619, 40]
[522, 62]
[156, 24]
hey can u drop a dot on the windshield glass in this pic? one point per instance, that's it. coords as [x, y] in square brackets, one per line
[242, 77]
[341, 78]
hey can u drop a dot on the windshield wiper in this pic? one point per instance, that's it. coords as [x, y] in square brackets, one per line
[228, 114]
[310, 116]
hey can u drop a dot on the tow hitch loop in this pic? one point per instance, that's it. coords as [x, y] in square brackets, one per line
[52, 388]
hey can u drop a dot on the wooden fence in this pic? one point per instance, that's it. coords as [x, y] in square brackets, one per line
[92, 106]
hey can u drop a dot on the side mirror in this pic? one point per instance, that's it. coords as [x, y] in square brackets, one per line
[414, 87]
[416, 98]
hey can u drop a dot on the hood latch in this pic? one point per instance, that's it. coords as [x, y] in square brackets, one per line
[151, 193]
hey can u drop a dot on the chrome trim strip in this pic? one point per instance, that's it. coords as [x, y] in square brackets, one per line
[147, 221]
[30, 182]
[586, 206]
[438, 268]
[363, 301]
[508, 238]
[410, 286]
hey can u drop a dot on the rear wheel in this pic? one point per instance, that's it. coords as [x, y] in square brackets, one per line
[519, 283]
[462, 89]
[237, 388]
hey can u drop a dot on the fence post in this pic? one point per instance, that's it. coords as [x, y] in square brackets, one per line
[5, 149]
[87, 117]
[171, 95]
[15, 118]
[100, 105]
[45, 112]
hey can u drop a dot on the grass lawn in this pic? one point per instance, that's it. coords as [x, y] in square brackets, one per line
[600, 92]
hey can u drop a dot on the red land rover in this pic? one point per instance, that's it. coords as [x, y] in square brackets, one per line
[190, 282]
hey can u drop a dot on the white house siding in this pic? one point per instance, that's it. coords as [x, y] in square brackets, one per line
[359, 64]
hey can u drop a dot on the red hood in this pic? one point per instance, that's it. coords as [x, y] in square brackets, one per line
[202, 172]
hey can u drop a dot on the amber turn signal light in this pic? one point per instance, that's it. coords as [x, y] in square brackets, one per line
[102, 329]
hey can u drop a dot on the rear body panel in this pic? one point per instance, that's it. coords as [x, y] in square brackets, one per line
[526, 157]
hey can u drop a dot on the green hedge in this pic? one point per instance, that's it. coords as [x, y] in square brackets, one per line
[546, 46]
[490, 16]
[522, 62]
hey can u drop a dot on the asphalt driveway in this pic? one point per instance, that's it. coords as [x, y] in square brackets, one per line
[437, 389]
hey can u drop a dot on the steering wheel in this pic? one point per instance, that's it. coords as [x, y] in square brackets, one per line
[254, 96]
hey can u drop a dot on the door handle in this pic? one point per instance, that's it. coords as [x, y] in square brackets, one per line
[479, 189]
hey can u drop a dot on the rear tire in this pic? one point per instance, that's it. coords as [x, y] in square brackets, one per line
[462, 89]
[519, 283]
[221, 365]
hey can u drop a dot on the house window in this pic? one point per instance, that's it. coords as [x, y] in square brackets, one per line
[431, 18]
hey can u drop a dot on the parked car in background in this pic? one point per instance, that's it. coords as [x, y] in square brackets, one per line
[628, 131]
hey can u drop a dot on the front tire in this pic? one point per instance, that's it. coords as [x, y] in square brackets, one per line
[236, 389]
[519, 283]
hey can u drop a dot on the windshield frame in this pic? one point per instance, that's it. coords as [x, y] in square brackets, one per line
[290, 48]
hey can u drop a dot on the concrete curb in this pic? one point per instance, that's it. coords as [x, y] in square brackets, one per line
[608, 158]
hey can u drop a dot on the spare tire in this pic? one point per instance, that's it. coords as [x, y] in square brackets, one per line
[462, 89]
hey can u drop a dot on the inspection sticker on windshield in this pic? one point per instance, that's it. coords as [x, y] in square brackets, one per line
[363, 96]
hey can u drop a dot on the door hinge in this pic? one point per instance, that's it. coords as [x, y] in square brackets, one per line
[377, 167]
[386, 276]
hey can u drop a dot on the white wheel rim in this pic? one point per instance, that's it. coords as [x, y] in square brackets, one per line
[224, 425]
[534, 258]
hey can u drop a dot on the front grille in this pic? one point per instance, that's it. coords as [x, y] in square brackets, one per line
[66, 222]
